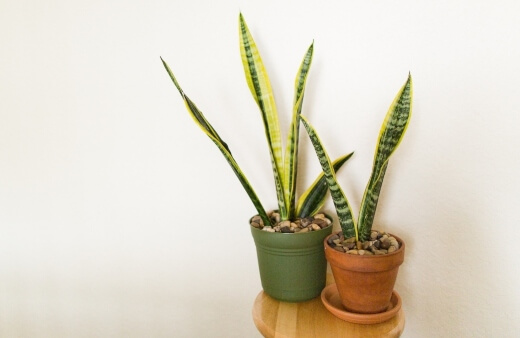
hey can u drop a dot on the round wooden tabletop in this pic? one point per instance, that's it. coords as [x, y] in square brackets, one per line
[311, 319]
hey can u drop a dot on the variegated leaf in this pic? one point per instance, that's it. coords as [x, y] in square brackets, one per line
[343, 209]
[313, 198]
[201, 121]
[260, 86]
[291, 153]
[391, 134]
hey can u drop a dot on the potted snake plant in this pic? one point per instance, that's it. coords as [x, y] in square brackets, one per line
[365, 262]
[289, 241]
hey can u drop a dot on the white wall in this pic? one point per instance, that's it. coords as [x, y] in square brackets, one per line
[118, 217]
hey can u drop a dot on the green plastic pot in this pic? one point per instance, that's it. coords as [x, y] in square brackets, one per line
[292, 266]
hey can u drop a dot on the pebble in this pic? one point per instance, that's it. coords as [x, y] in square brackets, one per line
[285, 229]
[285, 224]
[320, 222]
[333, 237]
[373, 235]
[350, 246]
[339, 248]
[305, 222]
[300, 225]
[385, 244]
[380, 243]
[359, 245]
[275, 217]
[377, 244]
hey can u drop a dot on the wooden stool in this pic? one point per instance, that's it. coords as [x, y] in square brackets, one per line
[311, 319]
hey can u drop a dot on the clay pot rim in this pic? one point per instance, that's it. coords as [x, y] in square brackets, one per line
[344, 254]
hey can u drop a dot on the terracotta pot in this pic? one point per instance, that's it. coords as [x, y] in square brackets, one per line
[365, 283]
[292, 266]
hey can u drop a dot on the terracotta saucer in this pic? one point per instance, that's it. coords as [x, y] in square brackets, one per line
[331, 300]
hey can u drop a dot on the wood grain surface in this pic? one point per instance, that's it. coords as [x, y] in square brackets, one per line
[311, 319]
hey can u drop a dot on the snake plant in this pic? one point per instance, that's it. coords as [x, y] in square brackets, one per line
[284, 165]
[390, 135]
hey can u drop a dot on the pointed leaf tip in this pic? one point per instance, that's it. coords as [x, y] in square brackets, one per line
[169, 71]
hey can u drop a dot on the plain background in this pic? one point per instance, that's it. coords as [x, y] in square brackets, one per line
[119, 217]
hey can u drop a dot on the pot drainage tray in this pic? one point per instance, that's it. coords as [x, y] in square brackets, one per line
[332, 301]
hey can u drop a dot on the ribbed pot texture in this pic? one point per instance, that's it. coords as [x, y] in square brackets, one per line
[292, 265]
[365, 283]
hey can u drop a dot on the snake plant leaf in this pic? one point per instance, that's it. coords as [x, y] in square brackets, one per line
[291, 153]
[343, 209]
[313, 198]
[199, 118]
[260, 87]
[206, 127]
[390, 136]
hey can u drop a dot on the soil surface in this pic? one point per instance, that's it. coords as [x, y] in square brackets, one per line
[299, 225]
[380, 243]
